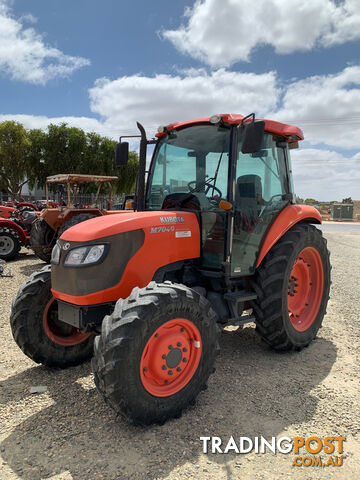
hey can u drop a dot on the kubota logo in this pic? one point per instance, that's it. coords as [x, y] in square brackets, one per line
[172, 220]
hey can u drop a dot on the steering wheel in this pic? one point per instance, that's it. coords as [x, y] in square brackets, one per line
[207, 186]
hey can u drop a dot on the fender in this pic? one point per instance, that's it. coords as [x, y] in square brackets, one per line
[288, 217]
[6, 212]
[14, 226]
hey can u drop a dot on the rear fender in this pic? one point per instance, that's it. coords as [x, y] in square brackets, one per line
[288, 217]
[6, 212]
[14, 226]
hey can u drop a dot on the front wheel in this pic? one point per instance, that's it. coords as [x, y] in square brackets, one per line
[292, 284]
[156, 352]
[38, 331]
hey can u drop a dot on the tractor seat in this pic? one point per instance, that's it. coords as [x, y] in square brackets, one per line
[171, 201]
[248, 202]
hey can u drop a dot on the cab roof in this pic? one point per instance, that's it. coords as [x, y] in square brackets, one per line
[291, 132]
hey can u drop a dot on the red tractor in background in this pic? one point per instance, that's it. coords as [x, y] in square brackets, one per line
[53, 221]
[15, 227]
[216, 239]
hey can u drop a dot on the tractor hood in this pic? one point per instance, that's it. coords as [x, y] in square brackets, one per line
[136, 244]
[104, 226]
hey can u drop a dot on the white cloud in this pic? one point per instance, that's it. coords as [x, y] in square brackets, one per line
[325, 174]
[24, 56]
[329, 104]
[326, 107]
[164, 99]
[222, 32]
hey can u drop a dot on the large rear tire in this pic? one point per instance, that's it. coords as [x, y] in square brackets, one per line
[156, 352]
[82, 217]
[37, 330]
[10, 244]
[42, 239]
[292, 284]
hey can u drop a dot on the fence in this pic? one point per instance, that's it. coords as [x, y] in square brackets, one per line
[80, 199]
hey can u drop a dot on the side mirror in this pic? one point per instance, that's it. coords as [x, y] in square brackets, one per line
[253, 134]
[122, 153]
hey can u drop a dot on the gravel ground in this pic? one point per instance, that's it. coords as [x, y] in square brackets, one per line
[69, 433]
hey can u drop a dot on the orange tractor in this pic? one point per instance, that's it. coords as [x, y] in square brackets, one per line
[216, 239]
[52, 221]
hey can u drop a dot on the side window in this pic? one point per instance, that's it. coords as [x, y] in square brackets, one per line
[261, 182]
[262, 174]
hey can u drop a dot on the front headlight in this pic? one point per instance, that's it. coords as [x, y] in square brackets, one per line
[85, 255]
[55, 254]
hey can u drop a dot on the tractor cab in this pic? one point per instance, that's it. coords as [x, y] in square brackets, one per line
[234, 175]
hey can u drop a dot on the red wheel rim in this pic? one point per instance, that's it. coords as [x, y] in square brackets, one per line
[59, 332]
[305, 289]
[170, 357]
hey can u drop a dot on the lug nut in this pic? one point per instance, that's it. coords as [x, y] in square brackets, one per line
[163, 356]
[156, 335]
[170, 372]
[178, 344]
[163, 367]
[178, 369]
[184, 349]
[170, 347]
[146, 369]
[184, 360]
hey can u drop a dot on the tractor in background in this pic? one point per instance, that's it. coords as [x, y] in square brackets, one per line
[53, 221]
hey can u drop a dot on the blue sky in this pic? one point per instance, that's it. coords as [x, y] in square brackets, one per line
[103, 65]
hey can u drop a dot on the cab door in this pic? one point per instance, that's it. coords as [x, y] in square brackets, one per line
[261, 192]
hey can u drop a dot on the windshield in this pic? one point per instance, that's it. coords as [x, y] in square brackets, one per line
[193, 160]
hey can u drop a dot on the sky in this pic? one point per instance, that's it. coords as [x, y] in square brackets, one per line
[103, 65]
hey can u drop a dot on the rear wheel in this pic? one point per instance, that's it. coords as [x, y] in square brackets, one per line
[292, 284]
[10, 244]
[42, 239]
[38, 331]
[156, 352]
[82, 217]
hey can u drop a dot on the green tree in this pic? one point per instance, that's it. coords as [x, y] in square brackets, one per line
[310, 200]
[14, 166]
[35, 156]
[347, 200]
[64, 149]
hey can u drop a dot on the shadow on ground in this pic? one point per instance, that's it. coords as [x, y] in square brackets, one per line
[29, 269]
[254, 391]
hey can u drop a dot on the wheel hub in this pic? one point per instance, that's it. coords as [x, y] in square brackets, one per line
[170, 357]
[6, 245]
[60, 332]
[173, 358]
[305, 288]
